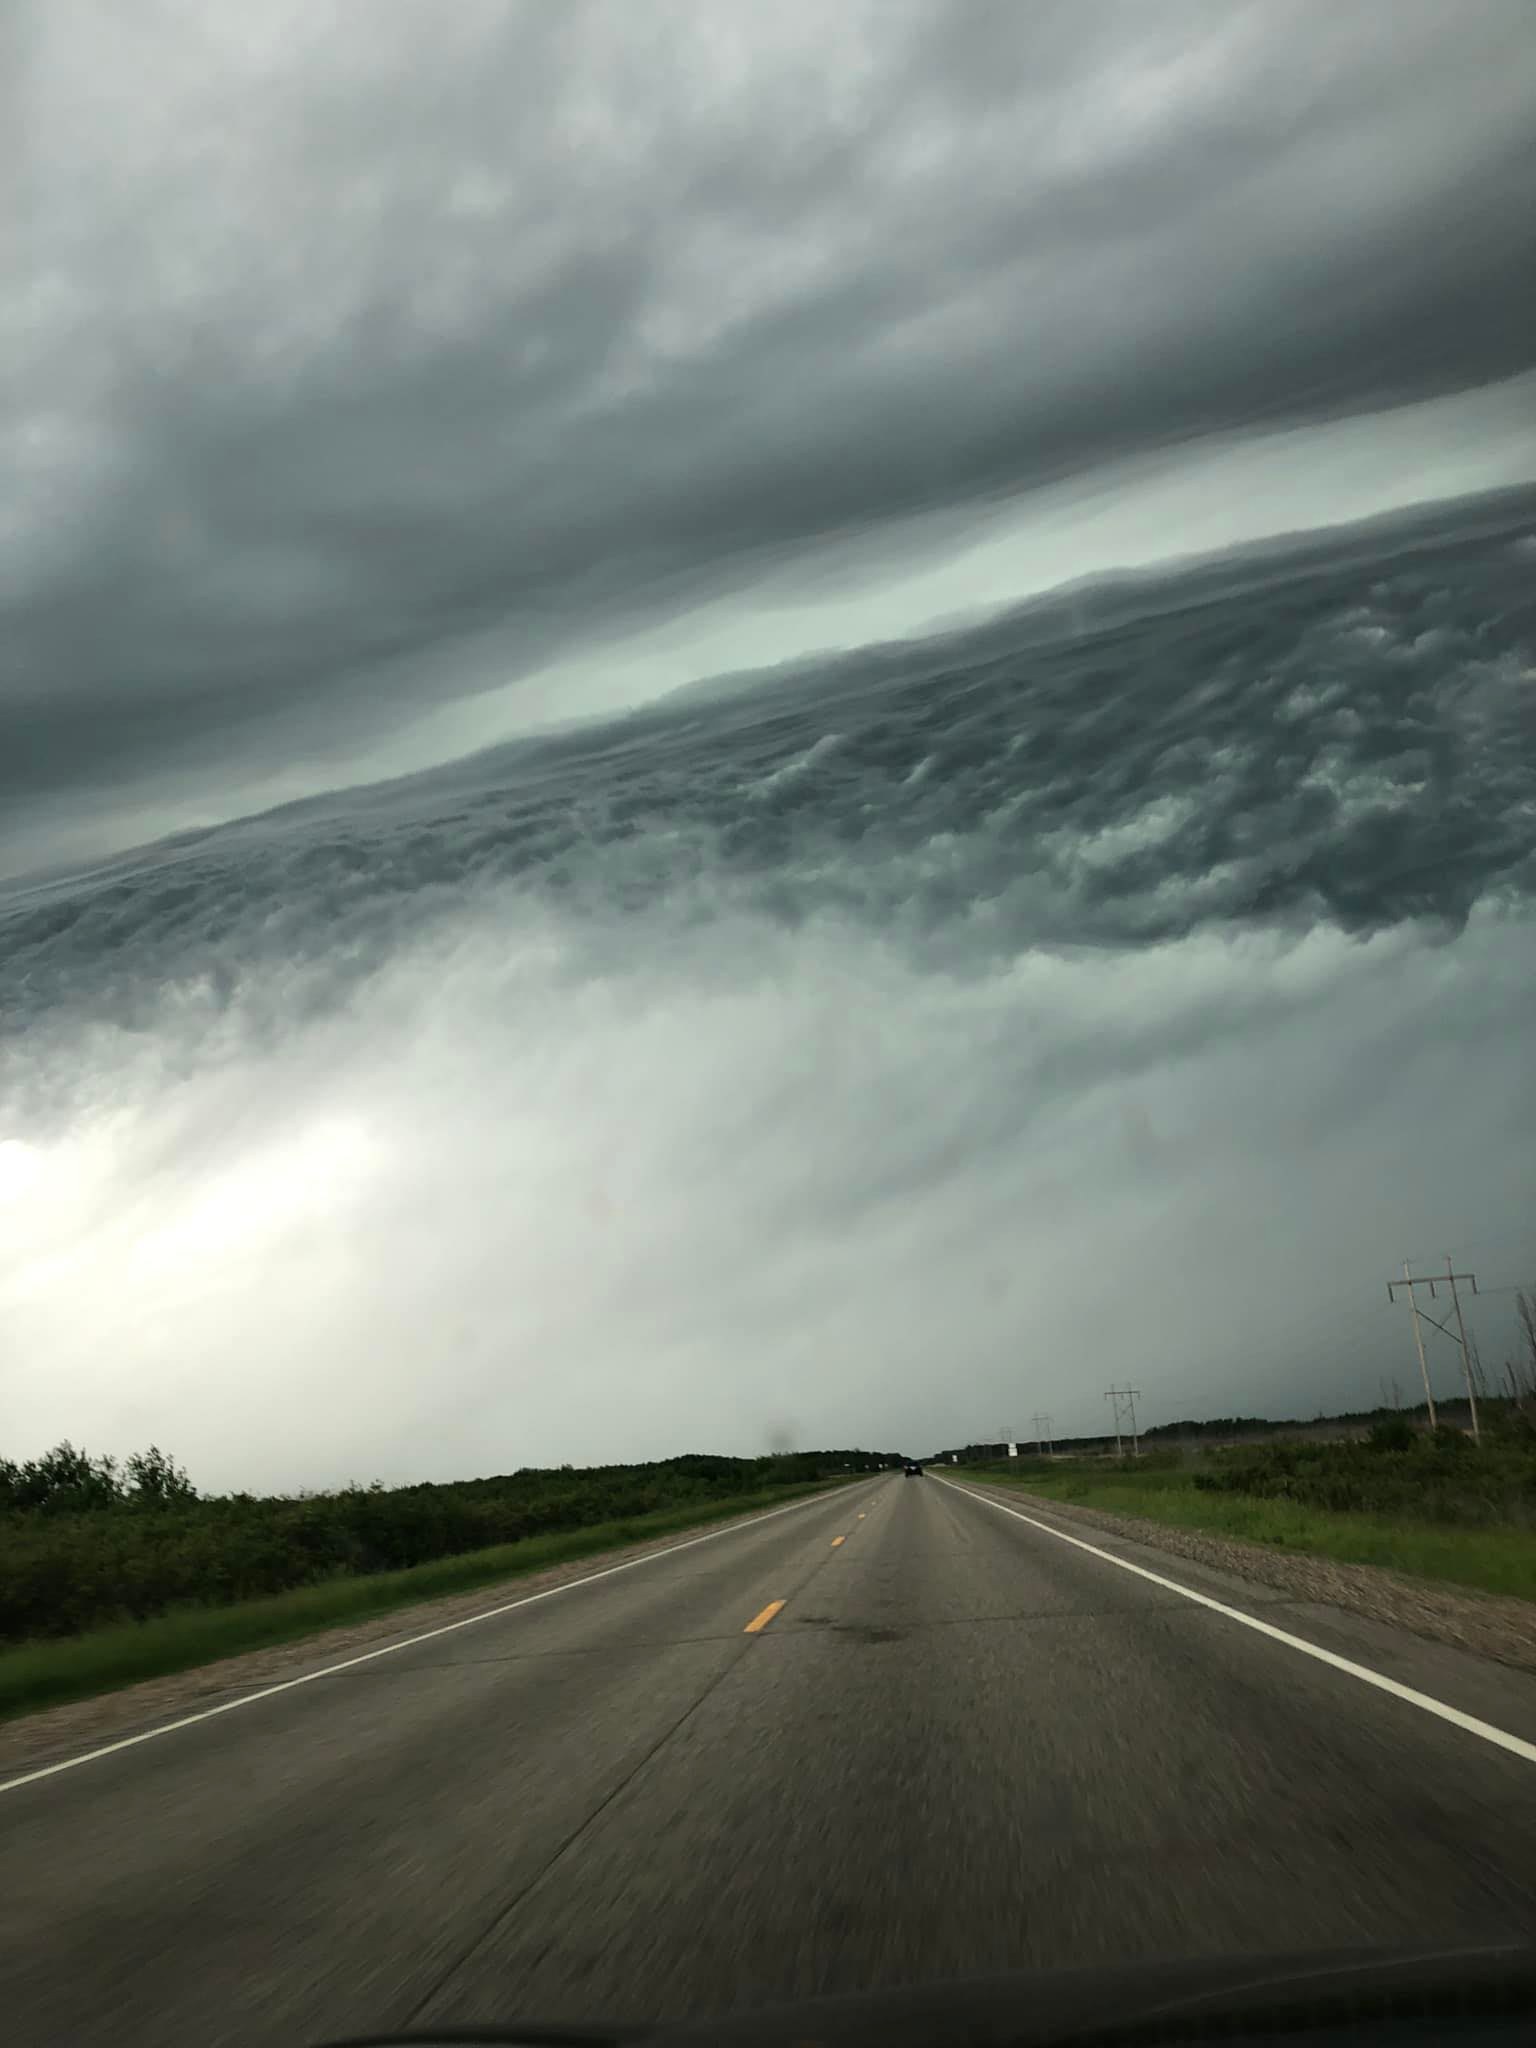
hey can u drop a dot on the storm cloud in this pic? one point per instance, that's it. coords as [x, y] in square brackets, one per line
[336, 338]
[1333, 731]
[863, 1050]
[876, 841]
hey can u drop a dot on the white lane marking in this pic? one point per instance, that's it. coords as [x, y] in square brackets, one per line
[1499, 1737]
[448, 1628]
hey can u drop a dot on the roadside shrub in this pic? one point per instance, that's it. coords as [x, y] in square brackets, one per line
[83, 1543]
[1392, 1433]
[1436, 1476]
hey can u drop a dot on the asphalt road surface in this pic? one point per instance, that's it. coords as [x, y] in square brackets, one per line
[961, 1746]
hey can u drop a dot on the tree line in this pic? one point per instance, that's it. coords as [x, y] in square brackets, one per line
[86, 1541]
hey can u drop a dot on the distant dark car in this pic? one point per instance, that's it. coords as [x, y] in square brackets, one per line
[912, 1469]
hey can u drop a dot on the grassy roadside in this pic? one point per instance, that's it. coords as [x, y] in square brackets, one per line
[1489, 1560]
[47, 1673]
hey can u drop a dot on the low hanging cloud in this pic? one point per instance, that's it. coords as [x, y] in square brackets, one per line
[1333, 730]
[887, 1047]
[363, 332]
[509, 1211]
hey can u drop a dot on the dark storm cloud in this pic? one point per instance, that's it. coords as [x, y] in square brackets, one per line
[355, 337]
[1335, 733]
[953, 1002]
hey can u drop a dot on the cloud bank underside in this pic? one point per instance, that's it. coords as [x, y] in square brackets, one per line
[854, 1043]
[354, 338]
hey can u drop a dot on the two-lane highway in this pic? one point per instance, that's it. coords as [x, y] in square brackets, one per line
[891, 1734]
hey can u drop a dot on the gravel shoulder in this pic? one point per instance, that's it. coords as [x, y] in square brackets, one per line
[1482, 1624]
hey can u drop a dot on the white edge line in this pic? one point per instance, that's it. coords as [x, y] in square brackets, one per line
[267, 1692]
[1499, 1737]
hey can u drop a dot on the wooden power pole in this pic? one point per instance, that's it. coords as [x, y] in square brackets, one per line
[1129, 1396]
[1448, 1278]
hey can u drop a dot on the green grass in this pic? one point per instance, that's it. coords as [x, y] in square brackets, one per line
[1490, 1560]
[46, 1673]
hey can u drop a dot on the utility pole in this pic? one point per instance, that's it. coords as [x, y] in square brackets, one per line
[1130, 1396]
[1418, 1340]
[1041, 1424]
[1448, 1278]
[1466, 1349]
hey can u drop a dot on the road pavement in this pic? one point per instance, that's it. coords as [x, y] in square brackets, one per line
[960, 1746]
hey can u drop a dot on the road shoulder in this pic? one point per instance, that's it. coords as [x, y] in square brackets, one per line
[31, 1741]
[1475, 1650]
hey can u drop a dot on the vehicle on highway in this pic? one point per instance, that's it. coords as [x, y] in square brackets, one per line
[1453, 1998]
[913, 1469]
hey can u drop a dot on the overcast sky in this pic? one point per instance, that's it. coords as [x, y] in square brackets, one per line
[860, 1057]
[360, 361]
[875, 1055]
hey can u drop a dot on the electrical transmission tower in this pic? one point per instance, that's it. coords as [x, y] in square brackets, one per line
[1041, 1425]
[1122, 1402]
[1447, 1279]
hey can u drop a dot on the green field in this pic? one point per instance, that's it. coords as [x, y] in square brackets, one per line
[45, 1673]
[1480, 1536]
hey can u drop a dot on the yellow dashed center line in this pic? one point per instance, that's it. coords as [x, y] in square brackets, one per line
[760, 1621]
